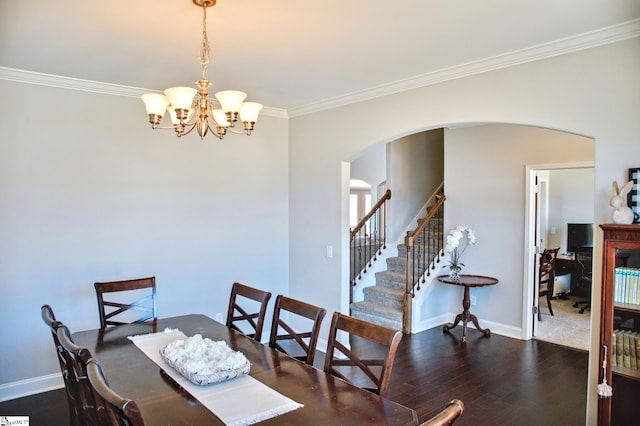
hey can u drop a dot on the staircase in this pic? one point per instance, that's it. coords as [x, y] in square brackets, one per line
[388, 301]
[383, 303]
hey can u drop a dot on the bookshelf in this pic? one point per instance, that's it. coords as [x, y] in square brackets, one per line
[620, 323]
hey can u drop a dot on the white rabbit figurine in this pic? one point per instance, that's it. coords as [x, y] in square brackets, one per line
[622, 214]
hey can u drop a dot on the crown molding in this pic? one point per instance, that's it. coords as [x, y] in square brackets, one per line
[50, 80]
[600, 37]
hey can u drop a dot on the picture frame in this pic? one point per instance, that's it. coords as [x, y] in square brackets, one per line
[633, 198]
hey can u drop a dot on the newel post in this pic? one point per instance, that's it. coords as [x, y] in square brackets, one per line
[408, 291]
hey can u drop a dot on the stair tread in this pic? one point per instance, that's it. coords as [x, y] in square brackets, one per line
[391, 274]
[383, 302]
[382, 311]
[391, 291]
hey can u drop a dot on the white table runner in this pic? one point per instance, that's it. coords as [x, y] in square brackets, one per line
[240, 401]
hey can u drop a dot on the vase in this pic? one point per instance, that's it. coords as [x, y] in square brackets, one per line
[454, 274]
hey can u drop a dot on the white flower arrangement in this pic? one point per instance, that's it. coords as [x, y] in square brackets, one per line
[454, 246]
[203, 360]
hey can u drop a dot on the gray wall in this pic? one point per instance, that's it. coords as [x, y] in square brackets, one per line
[88, 192]
[570, 201]
[573, 93]
[371, 167]
[415, 168]
[485, 181]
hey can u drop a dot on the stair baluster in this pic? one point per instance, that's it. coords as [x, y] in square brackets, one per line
[368, 239]
[387, 303]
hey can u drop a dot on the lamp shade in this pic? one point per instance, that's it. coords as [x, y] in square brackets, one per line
[249, 112]
[181, 97]
[220, 117]
[230, 100]
[155, 104]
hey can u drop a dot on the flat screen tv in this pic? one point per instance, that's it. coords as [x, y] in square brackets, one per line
[578, 235]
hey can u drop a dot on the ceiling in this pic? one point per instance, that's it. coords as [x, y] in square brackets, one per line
[293, 54]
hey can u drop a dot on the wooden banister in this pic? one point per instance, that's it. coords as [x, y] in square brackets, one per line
[368, 239]
[420, 261]
[386, 196]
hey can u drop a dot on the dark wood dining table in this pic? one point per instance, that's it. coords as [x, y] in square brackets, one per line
[327, 400]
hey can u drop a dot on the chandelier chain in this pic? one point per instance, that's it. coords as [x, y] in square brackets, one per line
[205, 49]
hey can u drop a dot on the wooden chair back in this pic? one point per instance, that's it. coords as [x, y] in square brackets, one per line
[108, 309]
[239, 315]
[116, 409]
[77, 358]
[75, 407]
[547, 276]
[447, 416]
[282, 332]
[383, 337]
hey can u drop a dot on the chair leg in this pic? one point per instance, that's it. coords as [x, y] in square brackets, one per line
[586, 303]
[587, 306]
[549, 303]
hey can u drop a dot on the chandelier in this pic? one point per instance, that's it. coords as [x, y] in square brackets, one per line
[189, 112]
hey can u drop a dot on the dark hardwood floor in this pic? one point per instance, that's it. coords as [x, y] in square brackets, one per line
[501, 381]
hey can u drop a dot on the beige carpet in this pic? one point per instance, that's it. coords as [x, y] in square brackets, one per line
[566, 327]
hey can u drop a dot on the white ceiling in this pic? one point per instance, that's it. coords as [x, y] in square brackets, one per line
[292, 54]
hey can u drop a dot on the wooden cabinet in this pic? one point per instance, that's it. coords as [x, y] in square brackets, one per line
[620, 324]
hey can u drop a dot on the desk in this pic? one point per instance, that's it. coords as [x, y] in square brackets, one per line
[327, 400]
[568, 265]
[467, 281]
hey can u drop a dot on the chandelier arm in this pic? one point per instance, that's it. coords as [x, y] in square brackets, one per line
[237, 132]
[164, 128]
[191, 126]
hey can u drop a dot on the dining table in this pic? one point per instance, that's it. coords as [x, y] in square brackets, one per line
[325, 399]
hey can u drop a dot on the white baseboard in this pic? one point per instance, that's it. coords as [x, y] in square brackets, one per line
[31, 386]
[432, 322]
[495, 327]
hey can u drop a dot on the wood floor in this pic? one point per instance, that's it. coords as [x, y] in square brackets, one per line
[501, 381]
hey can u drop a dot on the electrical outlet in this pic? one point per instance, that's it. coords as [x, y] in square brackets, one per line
[218, 317]
[473, 300]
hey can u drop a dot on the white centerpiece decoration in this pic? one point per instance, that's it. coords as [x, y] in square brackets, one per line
[203, 360]
[457, 242]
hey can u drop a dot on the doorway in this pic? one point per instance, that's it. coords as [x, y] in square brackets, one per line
[560, 196]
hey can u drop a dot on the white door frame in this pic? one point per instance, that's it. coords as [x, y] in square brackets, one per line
[529, 239]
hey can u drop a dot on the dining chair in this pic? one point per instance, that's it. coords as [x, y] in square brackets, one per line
[366, 340]
[547, 277]
[115, 409]
[75, 407]
[144, 289]
[447, 416]
[283, 333]
[77, 358]
[239, 315]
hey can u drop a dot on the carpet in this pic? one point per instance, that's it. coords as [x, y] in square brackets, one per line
[566, 327]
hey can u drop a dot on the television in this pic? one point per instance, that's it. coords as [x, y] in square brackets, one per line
[578, 235]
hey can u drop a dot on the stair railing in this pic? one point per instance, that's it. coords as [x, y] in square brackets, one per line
[421, 260]
[368, 239]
